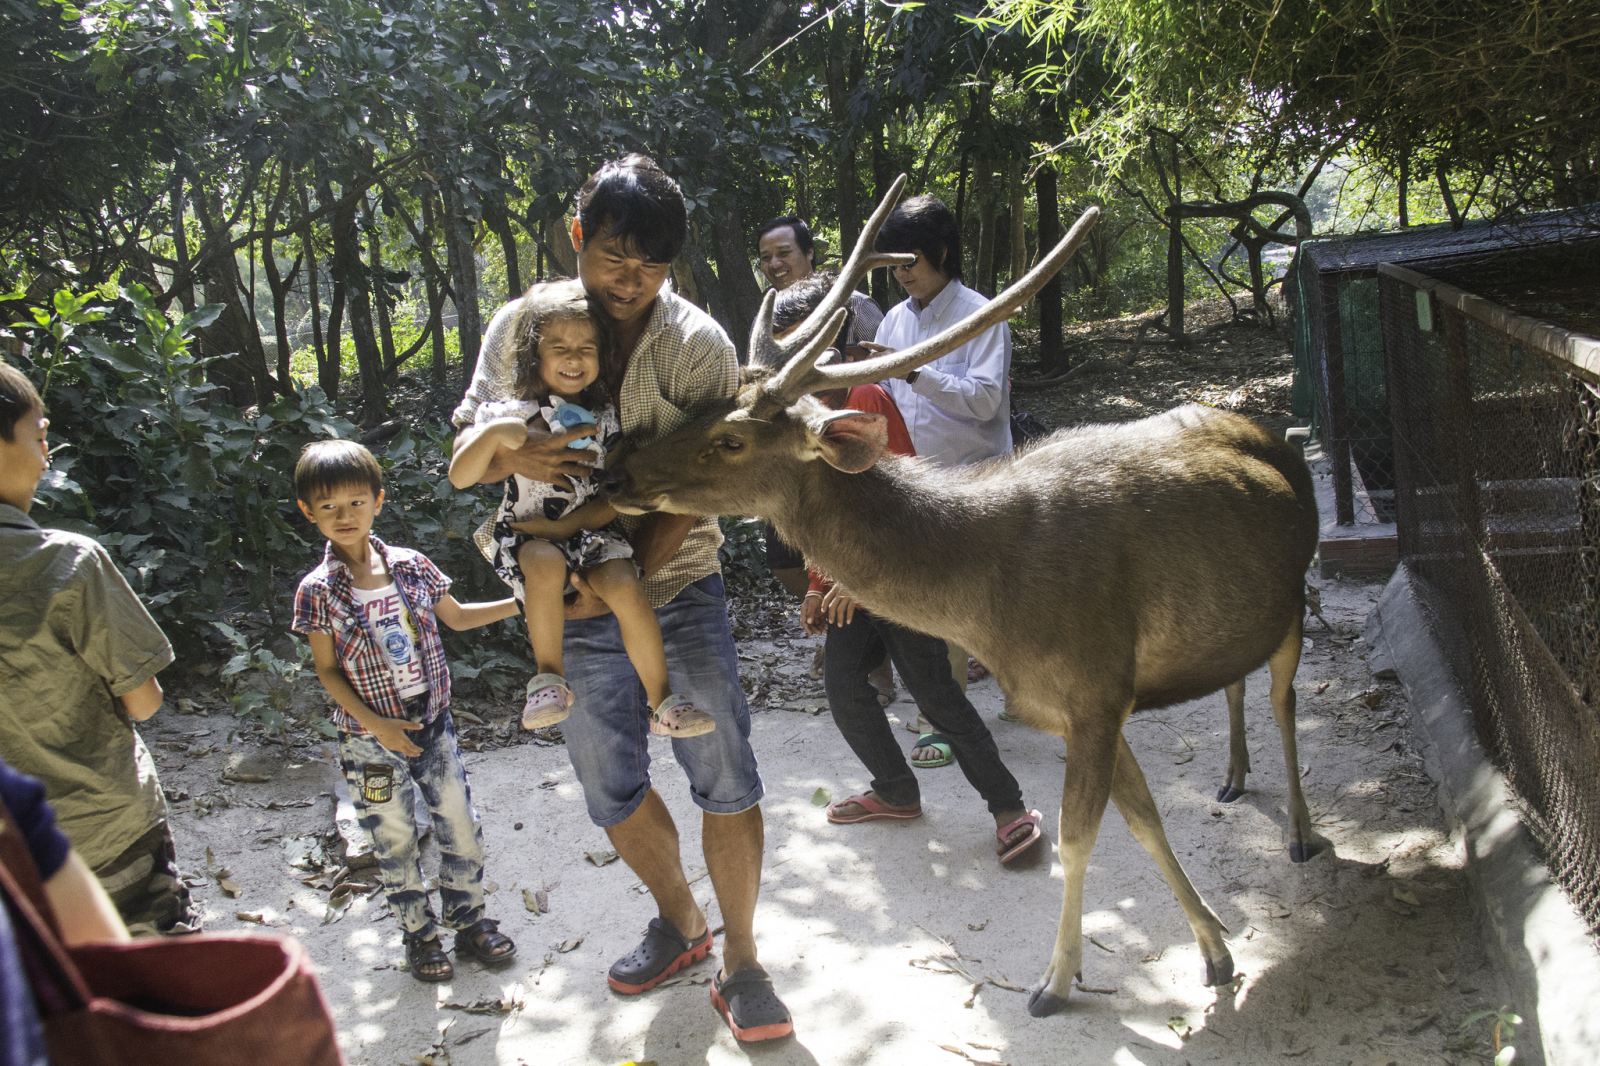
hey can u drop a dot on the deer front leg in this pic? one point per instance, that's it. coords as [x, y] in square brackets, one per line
[1283, 664]
[1091, 754]
[1138, 809]
[1238, 751]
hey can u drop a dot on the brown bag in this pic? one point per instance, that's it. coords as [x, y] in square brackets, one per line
[191, 1000]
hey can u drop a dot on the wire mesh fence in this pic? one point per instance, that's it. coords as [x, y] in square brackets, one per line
[1496, 428]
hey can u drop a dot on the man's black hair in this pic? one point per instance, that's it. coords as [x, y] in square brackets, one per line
[802, 233]
[633, 200]
[802, 298]
[925, 225]
[18, 399]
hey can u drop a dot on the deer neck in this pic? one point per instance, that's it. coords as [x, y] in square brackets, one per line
[922, 518]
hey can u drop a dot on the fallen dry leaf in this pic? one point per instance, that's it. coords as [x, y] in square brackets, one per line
[820, 798]
[569, 944]
[229, 886]
[601, 858]
[251, 916]
[536, 902]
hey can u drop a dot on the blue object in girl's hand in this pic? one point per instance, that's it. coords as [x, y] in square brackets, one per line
[569, 415]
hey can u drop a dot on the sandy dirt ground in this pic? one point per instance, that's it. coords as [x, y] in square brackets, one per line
[900, 942]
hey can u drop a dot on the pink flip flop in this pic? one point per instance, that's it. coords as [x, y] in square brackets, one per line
[874, 810]
[1017, 837]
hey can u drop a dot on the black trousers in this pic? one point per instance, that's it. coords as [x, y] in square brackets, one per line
[853, 650]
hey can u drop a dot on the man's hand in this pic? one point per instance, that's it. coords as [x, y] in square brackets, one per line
[838, 606]
[391, 733]
[545, 457]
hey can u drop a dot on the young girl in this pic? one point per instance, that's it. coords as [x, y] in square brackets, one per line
[544, 532]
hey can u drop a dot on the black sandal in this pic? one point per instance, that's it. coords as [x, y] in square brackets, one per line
[663, 952]
[749, 1005]
[426, 959]
[484, 941]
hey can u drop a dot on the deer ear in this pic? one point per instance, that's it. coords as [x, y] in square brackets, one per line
[851, 441]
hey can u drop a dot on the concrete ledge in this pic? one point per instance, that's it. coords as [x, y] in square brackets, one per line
[1547, 955]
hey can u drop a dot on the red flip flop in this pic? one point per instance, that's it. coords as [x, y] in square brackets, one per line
[1019, 836]
[873, 808]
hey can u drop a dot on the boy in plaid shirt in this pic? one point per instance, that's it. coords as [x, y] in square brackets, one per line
[371, 614]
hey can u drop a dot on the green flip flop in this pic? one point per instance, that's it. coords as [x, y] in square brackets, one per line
[939, 744]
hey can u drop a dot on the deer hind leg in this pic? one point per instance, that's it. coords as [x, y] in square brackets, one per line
[1283, 664]
[1138, 808]
[1091, 757]
[1238, 751]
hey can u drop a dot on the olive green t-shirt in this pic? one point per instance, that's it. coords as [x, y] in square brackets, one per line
[74, 637]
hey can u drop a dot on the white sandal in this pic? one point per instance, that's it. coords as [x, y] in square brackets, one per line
[677, 717]
[549, 701]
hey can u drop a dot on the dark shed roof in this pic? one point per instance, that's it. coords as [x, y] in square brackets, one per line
[1364, 251]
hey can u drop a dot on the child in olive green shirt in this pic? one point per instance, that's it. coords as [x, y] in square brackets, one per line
[79, 656]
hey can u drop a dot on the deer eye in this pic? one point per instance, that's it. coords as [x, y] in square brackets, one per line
[728, 442]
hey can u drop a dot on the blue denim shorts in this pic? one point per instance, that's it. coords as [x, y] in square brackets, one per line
[608, 736]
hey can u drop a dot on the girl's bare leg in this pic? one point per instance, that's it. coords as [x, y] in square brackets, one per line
[544, 578]
[617, 583]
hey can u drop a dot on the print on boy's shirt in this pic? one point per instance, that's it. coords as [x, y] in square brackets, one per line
[391, 625]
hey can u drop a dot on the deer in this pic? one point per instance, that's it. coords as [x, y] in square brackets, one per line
[1105, 570]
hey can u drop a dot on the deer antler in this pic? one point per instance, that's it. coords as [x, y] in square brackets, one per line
[767, 351]
[801, 375]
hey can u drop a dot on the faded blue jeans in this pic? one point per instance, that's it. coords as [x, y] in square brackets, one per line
[608, 737]
[441, 780]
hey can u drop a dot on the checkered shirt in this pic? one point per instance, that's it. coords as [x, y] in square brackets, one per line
[682, 363]
[325, 603]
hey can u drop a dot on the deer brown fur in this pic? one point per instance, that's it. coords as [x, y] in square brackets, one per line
[1104, 570]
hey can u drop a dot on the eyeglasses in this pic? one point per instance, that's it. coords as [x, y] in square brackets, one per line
[916, 257]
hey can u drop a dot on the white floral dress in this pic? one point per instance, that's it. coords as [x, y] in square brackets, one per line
[525, 498]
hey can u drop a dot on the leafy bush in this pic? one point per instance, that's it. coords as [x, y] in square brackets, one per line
[194, 497]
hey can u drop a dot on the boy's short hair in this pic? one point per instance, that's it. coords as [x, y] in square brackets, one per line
[546, 301]
[635, 201]
[18, 397]
[326, 465]
[802, 233]
[803, 297]
[924, 224]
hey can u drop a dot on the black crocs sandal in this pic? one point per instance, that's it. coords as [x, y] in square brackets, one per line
[426, 959]
[484, 941]
[663, 952]
[751, 1008]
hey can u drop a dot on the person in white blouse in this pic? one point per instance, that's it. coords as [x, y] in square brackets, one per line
[958, 407]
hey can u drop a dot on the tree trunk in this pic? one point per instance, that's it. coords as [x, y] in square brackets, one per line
[464, 280]
[242, 368]
[380, 294]
[741, 296]
[354, 279]
[988, 212]
[1019, 220]
[278, 284]
[180, 242]
[327, 375]
[1051, 355]
[1174, 249]
[499, 220]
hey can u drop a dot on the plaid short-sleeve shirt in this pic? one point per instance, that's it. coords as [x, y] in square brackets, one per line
[682, 363]
[325, 603]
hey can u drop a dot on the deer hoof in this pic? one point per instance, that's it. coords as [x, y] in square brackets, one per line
[1219, 971]
[1302, 852]
[1227, 794]
[1042, 1002]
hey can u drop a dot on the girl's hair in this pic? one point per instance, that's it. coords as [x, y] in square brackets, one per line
[546, 301]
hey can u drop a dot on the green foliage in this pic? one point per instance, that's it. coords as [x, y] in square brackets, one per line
[261, 685]
[190, 494]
